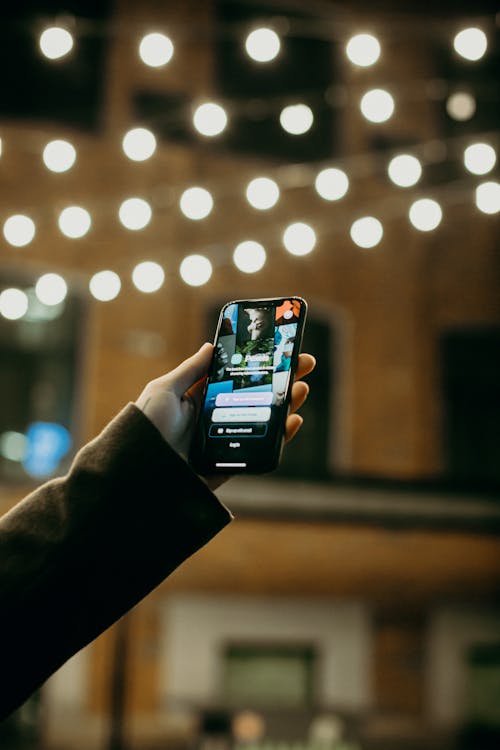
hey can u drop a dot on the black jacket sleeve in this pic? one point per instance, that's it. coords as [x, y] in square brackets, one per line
[80, 551]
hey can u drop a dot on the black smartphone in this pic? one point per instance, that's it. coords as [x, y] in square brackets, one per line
[247, 394]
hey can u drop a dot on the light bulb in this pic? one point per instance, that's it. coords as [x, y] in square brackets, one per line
[19, 230]
[488, 197]
[480, 158]
[196, 270]
[405, 170]
[249, 256]
[471, 43]
[363, 50]
[51, 289]
[135, 213]
[196, 203]
[367, 232]
[262, 45]
[377, 105]
[425, 214]
[148, 276]
[74, 221]
[210, 119]
[13, 304]
[299, 238]
[139, 144]
[55, 42]
[331, 184]
[105, 285]
[262, 193]
[296, 119]
[156, 49]
[59, 156]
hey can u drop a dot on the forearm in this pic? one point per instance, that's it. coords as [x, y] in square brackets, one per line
[82, 550]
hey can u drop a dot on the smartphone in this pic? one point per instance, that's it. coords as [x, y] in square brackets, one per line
[247, 393]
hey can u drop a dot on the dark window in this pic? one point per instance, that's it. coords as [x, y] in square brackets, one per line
[38, 369]
[68, 90]
[471, 397]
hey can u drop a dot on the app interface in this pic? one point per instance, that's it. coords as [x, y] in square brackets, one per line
[249, 379]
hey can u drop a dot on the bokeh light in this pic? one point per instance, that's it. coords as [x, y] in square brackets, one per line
[59, 155]
[366, 232]
[404, 170]
[13, 445]
[249, 256]
[331, 184]
[51, 289]
[156, 49]
[461, 106]
[195, 270]
[139, 144]
[148, 276]
[262, 45]
[296, 119]
[135, 213]
[55, 42]
[299, 238]
[377, 105]
[363, 50]
[471, 43]
[105, 285]
[425, 214]
[13, 303]
[488, 197]
[196, 203]
[480, 158]
[19, 230]
[262, 193]
[74, 221]
[210, 119]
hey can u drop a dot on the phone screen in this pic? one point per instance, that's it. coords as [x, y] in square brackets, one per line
[247, 393]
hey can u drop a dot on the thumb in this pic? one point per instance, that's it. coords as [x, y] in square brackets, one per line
[191, 370]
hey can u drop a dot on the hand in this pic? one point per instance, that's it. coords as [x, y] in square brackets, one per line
[172, 401]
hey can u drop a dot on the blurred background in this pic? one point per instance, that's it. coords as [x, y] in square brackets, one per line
[161, 158]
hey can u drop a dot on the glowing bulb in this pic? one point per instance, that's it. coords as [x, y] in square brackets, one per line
[377, 105]
[425, 214]
[249, 256]
[196, 203]
[363, 50]
[55, 42]
[299, 238]
[13, 304]
[19, 230]
[262, 45]
[13, 445]
[196, 270]
[480, 158]
[59, 156]
[105, 285]
[367, 232]
[405, 170]
[296, 119]
[135, 213]
[139, 144]
[148, 276]
[156, 49]
[74, 221]
[51, 289]
[488, 197]
[471, 43]
[210, 119]
[331, 184]
[461, 106]
[262, 193]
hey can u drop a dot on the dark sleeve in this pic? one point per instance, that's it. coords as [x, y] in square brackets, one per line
[80, 551]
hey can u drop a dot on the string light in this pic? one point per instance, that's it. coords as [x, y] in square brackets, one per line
[249, 256]
[299, 238]
[210, 119]
[196, 203]
[139, 144]
[296, 119]
[332, 184]
[148, 276]
[74, 221]
[262, 193]
[404, 170]
[59, 156]
[156, 50]
[55, 42]
[461, 106]
[135, 213]
[13, 304]
[263, 45]
[377, 105]
[366, 232]
[105, 285]
[19, 230]
[51, 289]
[425, 214]
[488, 197]
[196, 270]
[363, 50]
[480, 158]
[471, 43]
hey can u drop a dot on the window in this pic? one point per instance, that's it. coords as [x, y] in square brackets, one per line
[38, 364]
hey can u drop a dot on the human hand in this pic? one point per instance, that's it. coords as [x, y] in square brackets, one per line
[172, 401]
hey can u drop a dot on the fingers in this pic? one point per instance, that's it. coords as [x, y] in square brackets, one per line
[293, 425]
[305, 365]
[300, 392]
[192, 370]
